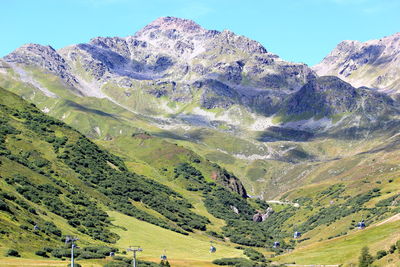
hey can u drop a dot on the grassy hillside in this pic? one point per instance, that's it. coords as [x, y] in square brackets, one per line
[177, 246]
[55, 182]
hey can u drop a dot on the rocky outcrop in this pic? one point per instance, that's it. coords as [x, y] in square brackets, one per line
[268, 212]
[230, 181]
[262, 216]
[235, 210]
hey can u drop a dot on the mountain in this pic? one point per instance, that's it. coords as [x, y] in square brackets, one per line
[176, 72]
[223, 95]
[373, 63]
[174, 59]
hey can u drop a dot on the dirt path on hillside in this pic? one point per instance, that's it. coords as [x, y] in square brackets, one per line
[17, 262]
[283, 203]
[391, 219]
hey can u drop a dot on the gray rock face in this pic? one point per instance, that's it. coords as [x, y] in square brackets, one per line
[217, 94]
[330, 95]
[45, 57]
[374, 63]
[230, 181]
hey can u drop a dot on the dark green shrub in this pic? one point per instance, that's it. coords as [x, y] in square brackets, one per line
[237, 262]
[7, 196]
[24, 227]
[32, 210]
[380, 254]
[215, 234]
[90, 255]
[116, 264]
[12, 253]
[121, 258]
[48, 249]
[61, 252]
[365, 259]
[4, 206]
[254, 255]
[41, 253]
[124, 264]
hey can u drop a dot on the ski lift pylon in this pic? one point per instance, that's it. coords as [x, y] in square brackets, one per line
[296, 234]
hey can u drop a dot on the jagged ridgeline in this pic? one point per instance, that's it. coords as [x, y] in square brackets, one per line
[46, 166]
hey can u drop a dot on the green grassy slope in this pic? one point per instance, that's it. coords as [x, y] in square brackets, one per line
[156, 239]
[377, 237]
[44, 182]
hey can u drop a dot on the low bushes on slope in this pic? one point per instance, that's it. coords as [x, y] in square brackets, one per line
[99, 169]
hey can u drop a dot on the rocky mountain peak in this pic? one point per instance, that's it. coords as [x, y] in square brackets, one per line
[31, 51]
[347, 45]
[45, 57]
[374, 63]
[171, 24]
[242, 42]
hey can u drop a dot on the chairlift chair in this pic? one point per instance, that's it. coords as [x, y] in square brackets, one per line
[212, 248]
[361, 225]
[163, 257]
[296, 234]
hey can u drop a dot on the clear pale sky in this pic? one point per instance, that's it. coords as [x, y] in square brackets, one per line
[296, 30]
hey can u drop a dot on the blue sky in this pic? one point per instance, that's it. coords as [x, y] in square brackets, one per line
[296, 30]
